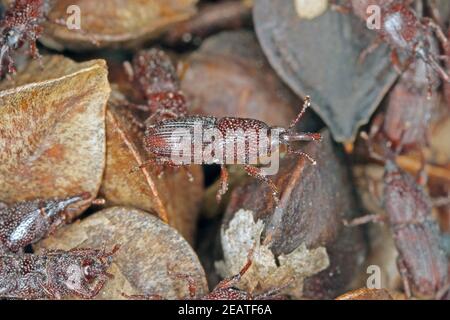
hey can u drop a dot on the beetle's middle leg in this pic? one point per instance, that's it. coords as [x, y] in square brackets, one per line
[256, 173]
[223, 182]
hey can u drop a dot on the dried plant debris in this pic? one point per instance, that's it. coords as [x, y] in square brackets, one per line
[120, 23]
[149, 249]
[52, 130]
[229, 76]
[314, 201]
[344, 92]
[267, 271]
[170, 195]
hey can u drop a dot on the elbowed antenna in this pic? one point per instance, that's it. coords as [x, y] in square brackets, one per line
[290, 135]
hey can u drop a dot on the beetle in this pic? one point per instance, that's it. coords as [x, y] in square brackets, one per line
[401, 28]
[404, 123]
[27, 222]
[165, 139]
[53, 274]
[21, 24]
[422, 261]
[154, 76]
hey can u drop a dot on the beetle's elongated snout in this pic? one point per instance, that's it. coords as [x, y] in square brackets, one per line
[287, 137]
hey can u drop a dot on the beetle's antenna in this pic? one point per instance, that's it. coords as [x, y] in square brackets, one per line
[306, 105]
[290, 136]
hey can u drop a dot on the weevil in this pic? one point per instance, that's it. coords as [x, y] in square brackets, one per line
[54, 274]
[50, 274]
[27, 222]
[402, 29]
[405, 122]
[421, 262]
[154, 76]
[165, 139]
[22, 23]
[224, 290]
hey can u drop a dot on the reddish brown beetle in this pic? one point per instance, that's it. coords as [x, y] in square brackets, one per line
[52, 274]
[21, 24]
[155, 77]
[421, 261]
[164, 139]
[55, 274]
[26, 222]
[400, 27]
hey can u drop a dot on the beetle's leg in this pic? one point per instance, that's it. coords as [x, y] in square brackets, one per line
[48, 289]
[231, 281]
[370, 49]
[345, 8]
[139, 107]
[34, 52]
[437, 30]
[223, 182]
[442, 292]
[161, 115]
[133, 120]
[256, 173]
[190, 280]
[274, 292]
[142, 296]
[422, 175]
[395, 60]
[377, 218]
[441, 201]
[434, 11]
[301, 153]
[129, 71]
[404, 274]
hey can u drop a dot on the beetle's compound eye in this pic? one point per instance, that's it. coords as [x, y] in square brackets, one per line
[88, 269]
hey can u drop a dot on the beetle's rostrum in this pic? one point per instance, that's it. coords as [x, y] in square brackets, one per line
[27, 222]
